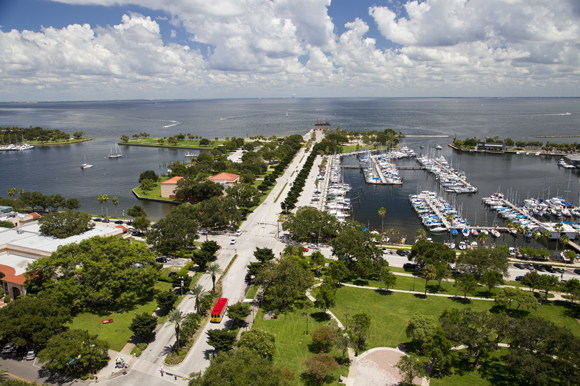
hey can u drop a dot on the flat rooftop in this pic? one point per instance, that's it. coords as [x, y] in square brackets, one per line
[29, 236]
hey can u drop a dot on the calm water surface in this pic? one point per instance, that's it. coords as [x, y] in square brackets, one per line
[55, 170]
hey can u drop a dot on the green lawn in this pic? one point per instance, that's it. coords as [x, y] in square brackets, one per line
[252, 292]
[155, 192]
[116, 333]
[391, 313]
[291, 342]
[185, 143]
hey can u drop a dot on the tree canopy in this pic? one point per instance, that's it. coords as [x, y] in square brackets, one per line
[84, 349]
[309, 224]
[259, 342]
[65, 224]
[31, 321]
[241, 368]
[284, 282]
[176, 230]
[97, 272]
[481, 260]
[357, 247]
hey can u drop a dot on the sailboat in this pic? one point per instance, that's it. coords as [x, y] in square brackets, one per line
[86, 165]
[117, 153]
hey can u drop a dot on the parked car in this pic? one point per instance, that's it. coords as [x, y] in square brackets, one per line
[9, 348]
[313, 246]
[519, 265]
[119, 222]
[410, 266]
[30, 355]
[518, 278]
[233, 241]
[305, 249]
[238, 233]
[402, 252]
[106, 220]
[97, 219]
[577, 271]
[161, 259]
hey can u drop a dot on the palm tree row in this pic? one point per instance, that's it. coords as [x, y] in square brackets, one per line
[104, 198]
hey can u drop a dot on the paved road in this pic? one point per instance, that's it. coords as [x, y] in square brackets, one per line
[260, 230]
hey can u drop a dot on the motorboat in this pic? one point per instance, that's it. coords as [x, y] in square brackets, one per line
[465, 232]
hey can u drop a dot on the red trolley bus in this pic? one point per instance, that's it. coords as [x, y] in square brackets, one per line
[219, 310]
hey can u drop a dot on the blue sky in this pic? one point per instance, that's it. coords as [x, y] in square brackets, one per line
[155, 49]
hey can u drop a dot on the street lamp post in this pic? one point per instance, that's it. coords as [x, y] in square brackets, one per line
[182, 285]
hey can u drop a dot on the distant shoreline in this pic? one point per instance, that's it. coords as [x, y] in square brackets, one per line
[74, 141]
[166, 146]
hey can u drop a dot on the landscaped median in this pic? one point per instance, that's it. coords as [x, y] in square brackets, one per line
[177, 356]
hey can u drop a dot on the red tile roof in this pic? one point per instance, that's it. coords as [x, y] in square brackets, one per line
[10, 275]
[34, 215]
[224, 177]
[172, 180]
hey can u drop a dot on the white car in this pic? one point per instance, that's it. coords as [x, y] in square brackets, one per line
[233, 241]
[238, 233]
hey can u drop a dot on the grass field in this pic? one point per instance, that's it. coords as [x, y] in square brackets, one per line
[391, 313]
[407, 283]
[185, 143]
[291, 342]
[116, 333]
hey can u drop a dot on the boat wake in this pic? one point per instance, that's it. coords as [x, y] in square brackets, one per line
[559, 114]
[174, 123]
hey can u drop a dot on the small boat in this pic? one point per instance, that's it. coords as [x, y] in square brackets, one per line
[465, 232]
[86, 165]
[422, 146]
[438, 147]
[188, 154]
[495, 233]
[462, 246]
[474, 232]
[454, 232]
[117, 153]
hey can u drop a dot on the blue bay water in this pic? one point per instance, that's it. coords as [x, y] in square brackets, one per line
[53, 170]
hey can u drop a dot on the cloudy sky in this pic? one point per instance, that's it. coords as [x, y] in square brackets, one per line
[165, 49]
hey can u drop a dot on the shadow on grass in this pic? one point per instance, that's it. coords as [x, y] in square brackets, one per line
[320, 316]
[383, 291]
[460, 299]
[360, 282]
[494, 370]
[516, 314]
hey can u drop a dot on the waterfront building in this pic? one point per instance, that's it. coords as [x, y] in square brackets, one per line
[225, 179]
[168, 187]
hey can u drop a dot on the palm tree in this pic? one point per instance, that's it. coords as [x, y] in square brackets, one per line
[482, 237]
[382, 213]
[214, 269]
[101, 200]
[450, 218]
[420, 234]
[558, 227]
[106, 198]
[176, 317]
[536, 235]
[3, 375]
[12, 192]
[397, 233]
[564, 239]
[20, 191]
[430, 273]
[546, 235]
[198, 292]
[115, 201]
